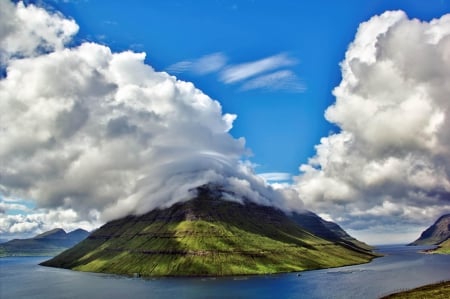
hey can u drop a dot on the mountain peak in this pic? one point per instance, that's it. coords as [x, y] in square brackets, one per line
[436, 233]
[55, 233]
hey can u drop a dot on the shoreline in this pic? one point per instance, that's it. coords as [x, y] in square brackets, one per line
[213, 276]
[436, 290]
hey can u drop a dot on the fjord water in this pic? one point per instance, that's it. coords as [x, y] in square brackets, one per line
[402, 267]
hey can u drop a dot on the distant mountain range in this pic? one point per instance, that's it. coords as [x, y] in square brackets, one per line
[209, 236]
[46, 244]
[436, 233]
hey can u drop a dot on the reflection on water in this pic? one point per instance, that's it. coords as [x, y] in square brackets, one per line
[401, 268]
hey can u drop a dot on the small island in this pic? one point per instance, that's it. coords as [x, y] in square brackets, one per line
[209, 236]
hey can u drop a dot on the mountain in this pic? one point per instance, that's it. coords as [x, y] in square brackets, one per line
[327, 230]
[206, 236]
[46, 244]
[435, 234]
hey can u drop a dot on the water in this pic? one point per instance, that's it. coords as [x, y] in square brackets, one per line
[401, 268]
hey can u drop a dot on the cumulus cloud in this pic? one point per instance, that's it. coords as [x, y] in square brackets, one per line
[101, 133]
[391, 161]
[28, 31]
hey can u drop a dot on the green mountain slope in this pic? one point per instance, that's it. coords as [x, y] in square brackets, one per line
[204, 237]
[436, 233]
[46, 244]
[327, 230]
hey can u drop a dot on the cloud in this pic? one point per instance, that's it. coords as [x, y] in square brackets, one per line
[180, 67]
[279, 80]
[36, 222]
[28, 31]
[14, 206]
[95, 133]
[276, 176]
[209, 63]
[391, 161]
[262, 74]
[239, 72]
[204, 65]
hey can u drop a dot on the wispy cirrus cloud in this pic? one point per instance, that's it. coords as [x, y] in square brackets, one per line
[243, 71]
[179, 67]
[209, 63]
[275, 176]
[271, 73]
[204, 65]
[279, 80]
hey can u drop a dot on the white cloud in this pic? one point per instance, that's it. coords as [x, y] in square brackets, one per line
[12, 205]
[27, 31]
[239, 72]
[263, 74]
[42, 220]
[209, 63]
[391, 161]
[279, 80]
[204, 65]
[90, 133]
[276, 176]
[180, 67]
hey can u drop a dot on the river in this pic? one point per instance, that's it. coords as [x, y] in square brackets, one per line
[402, 267]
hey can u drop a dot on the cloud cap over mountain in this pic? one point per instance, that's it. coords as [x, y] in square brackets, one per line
[92, 131]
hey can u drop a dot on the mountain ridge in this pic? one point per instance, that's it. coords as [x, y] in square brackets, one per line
[437, 233]
[48, 243]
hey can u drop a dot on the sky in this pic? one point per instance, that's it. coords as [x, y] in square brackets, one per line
[336, 107]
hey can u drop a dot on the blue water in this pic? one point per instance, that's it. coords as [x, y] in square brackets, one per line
[401, 268]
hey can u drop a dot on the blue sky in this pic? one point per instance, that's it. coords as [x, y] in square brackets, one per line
[280, 125]
[342, 104]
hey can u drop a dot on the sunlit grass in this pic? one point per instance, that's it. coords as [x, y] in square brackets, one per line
[444, 247]
[435, 291]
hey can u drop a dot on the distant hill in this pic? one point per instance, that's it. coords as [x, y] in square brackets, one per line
[46, 244]
[207, 236]
[435, 234]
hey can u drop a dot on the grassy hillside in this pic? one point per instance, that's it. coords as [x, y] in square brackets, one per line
[205, 237]
[443, 248]
[435, 291]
